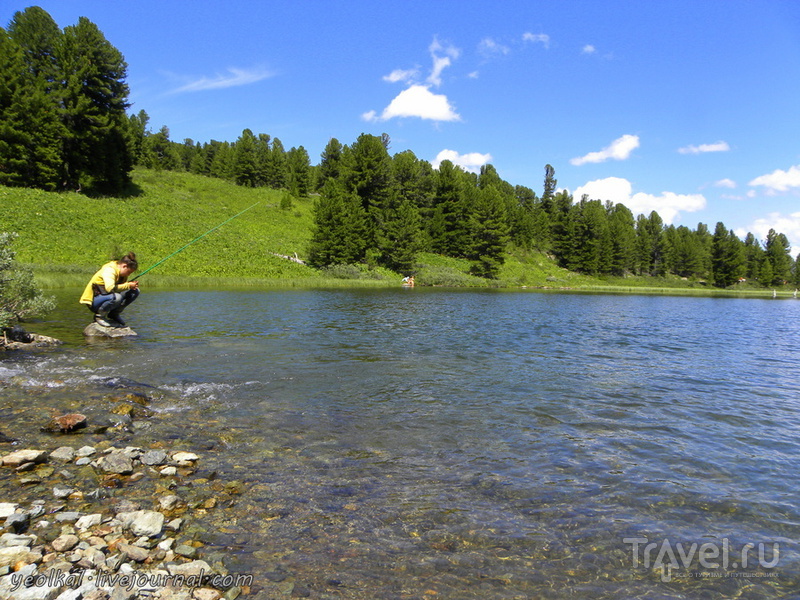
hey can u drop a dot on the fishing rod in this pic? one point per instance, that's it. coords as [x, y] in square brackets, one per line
[193, 241]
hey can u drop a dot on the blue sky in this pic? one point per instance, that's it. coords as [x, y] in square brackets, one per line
[690, 108]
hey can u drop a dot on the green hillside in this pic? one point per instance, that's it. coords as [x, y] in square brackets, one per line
[70, 233]
[65, 237]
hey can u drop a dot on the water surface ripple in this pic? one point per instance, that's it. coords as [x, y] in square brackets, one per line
[474, 444]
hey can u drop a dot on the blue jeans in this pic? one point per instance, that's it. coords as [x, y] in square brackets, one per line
[114, 302]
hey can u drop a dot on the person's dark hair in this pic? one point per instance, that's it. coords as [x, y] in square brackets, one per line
[130, 260]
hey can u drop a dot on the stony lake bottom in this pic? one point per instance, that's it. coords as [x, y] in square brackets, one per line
[459, 444]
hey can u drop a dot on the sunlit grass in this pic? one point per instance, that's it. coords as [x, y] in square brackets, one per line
[66, 237]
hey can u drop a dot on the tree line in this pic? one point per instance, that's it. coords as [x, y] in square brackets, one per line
[63, 101]
[64, 125]
[382, 209]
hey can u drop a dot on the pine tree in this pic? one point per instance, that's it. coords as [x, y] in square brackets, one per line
[277, 172]
[796, 272]
[399, 239]
[776, 250]
[221, 155]
[30, 144]
[158, 152]
[550, 184]
[245, 160]
[450, 227]
[753, 257]
[97, 148]
[686, 252]
[489, 233]
[415, 182]
[727, 257]
[622, 237]
[367, 170]
[299, 168]
[330, 163]
[340, 226]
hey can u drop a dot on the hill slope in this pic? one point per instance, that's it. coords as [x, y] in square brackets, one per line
[66, 236]
[70, 232]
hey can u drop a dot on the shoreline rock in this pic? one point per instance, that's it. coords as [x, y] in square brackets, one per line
[96, 330]
[38, 342]
[49, 550]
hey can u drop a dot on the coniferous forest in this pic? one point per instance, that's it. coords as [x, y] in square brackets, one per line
[64, 125]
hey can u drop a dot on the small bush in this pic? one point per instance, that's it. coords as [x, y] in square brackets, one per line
[20, 297]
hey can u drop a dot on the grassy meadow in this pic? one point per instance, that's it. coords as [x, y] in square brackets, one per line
[65, 237]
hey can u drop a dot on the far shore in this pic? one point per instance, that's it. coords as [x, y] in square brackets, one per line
[58, 279]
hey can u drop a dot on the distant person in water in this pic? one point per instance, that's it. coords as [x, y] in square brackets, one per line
[109, 291]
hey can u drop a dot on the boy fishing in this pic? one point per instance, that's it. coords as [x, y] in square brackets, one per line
[109, 291]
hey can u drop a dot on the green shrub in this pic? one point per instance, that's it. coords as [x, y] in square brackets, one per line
[20, 297]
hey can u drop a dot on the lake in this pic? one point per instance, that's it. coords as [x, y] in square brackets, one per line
[412, 443]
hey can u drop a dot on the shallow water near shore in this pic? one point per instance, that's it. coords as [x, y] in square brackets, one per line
[462, 444]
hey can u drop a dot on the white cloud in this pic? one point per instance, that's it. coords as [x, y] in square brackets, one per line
[702, 148]
[668, 205]
[789, 225]
[725, 183]
[619, 149]
[779, 180]
[588, 49]
[406, 75]
[416, 101]
[234, 77]
[541, 38]
[488, 48]
[442, 56]
[472, 161]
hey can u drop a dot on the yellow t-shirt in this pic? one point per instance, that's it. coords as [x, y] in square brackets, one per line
[107, 280]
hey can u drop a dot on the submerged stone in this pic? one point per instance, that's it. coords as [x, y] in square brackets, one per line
[97, 330]
[66, 423]
[19, 457]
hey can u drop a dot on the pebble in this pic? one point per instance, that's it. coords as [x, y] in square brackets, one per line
[185, 458]
[15, 459]
[85, 451]
[87, 521]
[117, 462]
[154, 457]
[61, 491]
[63, 454]
[65, 542]
[124, 539]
